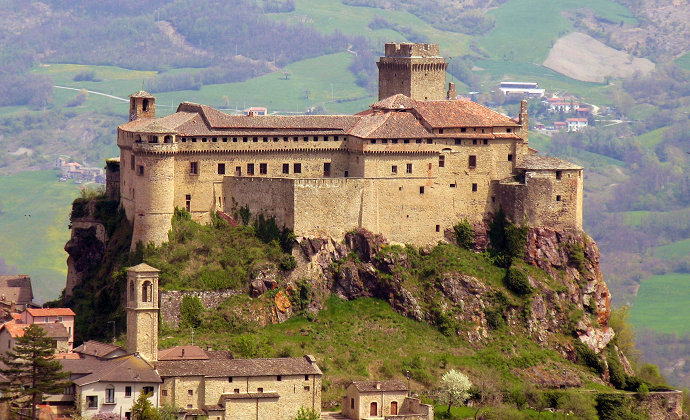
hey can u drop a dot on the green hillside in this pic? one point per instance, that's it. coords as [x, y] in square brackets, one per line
[662, 304]
[33, 227]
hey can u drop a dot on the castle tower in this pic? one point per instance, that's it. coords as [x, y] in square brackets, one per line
[142, 105]
[142, 311]
[415, 70]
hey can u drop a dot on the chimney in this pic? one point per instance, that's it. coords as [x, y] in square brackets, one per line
[182, 352]
[377, 385]
[452, 93]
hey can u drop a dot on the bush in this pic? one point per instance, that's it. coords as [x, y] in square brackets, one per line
[287, 262]
[494, 318]
[576, 256]
[587, 357]
[517, 281]
[464, 234]
[616, 373]
[190, 311]
[615, 407]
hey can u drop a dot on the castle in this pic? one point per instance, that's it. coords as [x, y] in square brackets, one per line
[410, 167]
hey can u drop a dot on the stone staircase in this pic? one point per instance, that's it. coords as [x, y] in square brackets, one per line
[333, 416]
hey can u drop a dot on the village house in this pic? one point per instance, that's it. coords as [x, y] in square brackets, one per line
[58, 324]
[383, 399]
[16, 294]
[566, 105]
[576, 124]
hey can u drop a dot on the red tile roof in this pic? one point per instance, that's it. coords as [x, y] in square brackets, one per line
[371, 386]
[52, 330]
[50, 312]
[97, 349]
[441, 114]
[577, 119]
[221, 364]
[128, 368]
[389, 125]
[183, 353]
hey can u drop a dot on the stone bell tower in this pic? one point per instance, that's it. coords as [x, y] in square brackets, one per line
[142, 105]
[415, 70]
[142, 311]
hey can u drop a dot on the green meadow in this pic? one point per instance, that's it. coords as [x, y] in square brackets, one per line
[674, 250]
[684, 61]
[662, 304]
[34, 228]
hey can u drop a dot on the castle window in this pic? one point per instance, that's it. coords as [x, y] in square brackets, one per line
[408, 168]
[418, 141]
[255, 139]
[440, 131]
[275, 139]
[295, 138]
[128, 391]
[559, 175]
[384, 141]
[225, 139]
[429, 166]
[146, 292]
[327, 169]
[474, 187]
[279, 378]
[458, 141]
[285, 138]
[204, 139]
[325, 138]
[184, 139]
[509, 130]
[485, 140]
[493, 198]
[230, 379]
[558, 198]
[167, 139]
[307, 388]
[164, 392]
[429, 141]
[244, 139]
[265, 139]
[421, 190]
[394, 169]
[286, 168]
[234, 139]
[140, 170]
[238, 171]
[352, 403]
[306, 377]
[250, 169]
[236, 390]
[463, 129]
[453, 185]
[131, 162]
[193, 139]
[263, 168]
[214, 139]
[336, 138]
[221, 169]
[297, 168]
[373, 141]
[474, 141]
[306, 138]
[347, 173]
[438, 228]
[473, 161]
[441, 161]
[188, 202]
[194, 168]
[190, 392]
[510, 157]
[316, 138]
[145, 105]
[395, 141]
[406, 141]
[259, 390]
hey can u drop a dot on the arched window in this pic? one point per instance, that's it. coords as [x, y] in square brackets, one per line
[167, 139]
[131, 290]
[145, 105]
[146, 292]
[110, 394]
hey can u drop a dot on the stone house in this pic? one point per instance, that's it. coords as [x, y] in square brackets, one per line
[409, 168]
[383, 400]
[43, 316]
[97, 350]
[16, 293]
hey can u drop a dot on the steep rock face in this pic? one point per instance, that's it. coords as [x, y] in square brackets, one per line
[85, 249]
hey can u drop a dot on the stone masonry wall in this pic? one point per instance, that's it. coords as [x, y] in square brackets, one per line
[171, 301]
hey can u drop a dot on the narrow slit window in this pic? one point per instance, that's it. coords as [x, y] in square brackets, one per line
[394, 169]
[472, 161]
[221, 169]
[441, 161]
[250, 169]
[474, 187]
[297, 168]
[286, 168]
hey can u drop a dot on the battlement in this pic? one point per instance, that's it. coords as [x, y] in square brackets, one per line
[409, 49]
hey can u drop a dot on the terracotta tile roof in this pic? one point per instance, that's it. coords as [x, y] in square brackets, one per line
[220, 364]
[53, 330]
[251, 395]
[370, 386]
[128, 368]
[97, 349]
[183, 353]
[536, 162]
[168, 124]
[389, 125]
[440, 114]
[16, 289]
[576, 119]
[72, 356]
[15, 315]
[50, 312]
[559, 123]
[395, 102]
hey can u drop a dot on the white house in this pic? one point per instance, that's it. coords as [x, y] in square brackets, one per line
[576, 124]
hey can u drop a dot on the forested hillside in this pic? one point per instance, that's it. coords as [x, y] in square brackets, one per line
[57, 58]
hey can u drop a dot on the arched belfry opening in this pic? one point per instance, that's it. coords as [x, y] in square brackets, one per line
[142, 311]
[142, 105]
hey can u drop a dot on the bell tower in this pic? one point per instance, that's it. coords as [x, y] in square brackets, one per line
[414, 70]
[142, 311]
[142, 105]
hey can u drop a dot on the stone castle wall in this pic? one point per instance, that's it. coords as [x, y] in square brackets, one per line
[171, 302]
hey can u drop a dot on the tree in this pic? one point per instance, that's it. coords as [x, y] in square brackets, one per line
[143, 409]
[455, 388]
[307, 414]
[31, 372]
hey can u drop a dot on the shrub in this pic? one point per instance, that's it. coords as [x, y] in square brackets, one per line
[190, 311]
[464, 234]
[517, 281]
[615, 406]
[586, 356]
[516, 240]
[576, 256]
[287, 262]
[616, 373]
[494, 318]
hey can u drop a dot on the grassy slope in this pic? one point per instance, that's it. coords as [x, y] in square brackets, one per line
[661, 304]
[675, 250]
[684, 61]
[35, 244]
